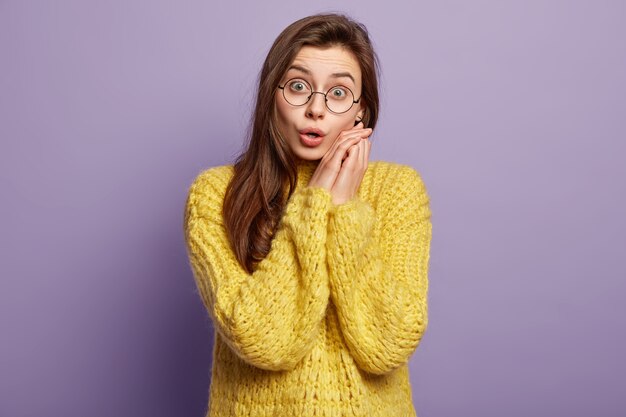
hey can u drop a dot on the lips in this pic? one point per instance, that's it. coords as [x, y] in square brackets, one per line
[311, 137]
[312, 130]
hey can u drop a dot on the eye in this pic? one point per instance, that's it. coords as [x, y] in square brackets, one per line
[298, 86]
[338, 92]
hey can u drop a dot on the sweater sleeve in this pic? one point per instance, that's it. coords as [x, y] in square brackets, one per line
[378, 272]
[269, 318]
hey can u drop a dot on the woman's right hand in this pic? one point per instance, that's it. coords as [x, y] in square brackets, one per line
[326, 172]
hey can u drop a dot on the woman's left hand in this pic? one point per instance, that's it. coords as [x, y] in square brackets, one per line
[352, 172]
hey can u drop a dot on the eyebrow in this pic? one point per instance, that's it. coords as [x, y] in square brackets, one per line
[335, 75]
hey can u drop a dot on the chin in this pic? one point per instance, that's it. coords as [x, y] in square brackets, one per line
[310, 154]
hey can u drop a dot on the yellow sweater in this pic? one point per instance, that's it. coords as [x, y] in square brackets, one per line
[327, 322]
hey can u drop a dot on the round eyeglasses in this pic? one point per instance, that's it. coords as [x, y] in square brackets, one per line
[339, 99]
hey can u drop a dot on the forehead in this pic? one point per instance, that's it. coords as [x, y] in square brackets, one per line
[327, 61]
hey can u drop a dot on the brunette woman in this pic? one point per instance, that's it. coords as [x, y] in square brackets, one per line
[311, 260]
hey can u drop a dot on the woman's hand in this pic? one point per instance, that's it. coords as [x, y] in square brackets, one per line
[342, 168]
[352, 172]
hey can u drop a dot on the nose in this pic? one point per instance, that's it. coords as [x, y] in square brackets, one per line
[316, 107]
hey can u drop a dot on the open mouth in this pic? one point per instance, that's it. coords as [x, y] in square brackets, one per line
[311, 139]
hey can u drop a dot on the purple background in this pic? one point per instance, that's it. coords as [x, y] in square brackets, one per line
[513, 113]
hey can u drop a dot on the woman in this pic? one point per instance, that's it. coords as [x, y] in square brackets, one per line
[311, 262]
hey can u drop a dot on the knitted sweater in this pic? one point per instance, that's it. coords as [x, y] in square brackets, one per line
[327, 322]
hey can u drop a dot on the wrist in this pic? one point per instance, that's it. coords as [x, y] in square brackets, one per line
[342, 200]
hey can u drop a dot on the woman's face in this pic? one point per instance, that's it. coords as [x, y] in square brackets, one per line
[321, 69]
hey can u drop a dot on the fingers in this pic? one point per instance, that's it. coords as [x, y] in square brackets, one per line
[352, 136]
[351, 174]
[366, 155]
[334, 160]
[340, 152]
[353, 157]
[357, 155]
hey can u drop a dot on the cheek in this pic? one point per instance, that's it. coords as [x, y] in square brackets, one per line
[283, 110]
[348, 122]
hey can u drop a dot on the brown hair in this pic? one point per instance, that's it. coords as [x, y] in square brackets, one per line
[255, 197]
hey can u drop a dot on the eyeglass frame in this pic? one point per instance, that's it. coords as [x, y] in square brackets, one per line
[319, 92]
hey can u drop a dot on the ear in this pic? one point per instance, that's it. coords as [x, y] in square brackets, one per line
[361, 112]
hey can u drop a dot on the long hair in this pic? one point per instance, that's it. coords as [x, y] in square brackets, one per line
[255, 197]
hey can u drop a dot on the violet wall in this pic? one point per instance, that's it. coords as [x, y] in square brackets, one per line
[512, 111]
